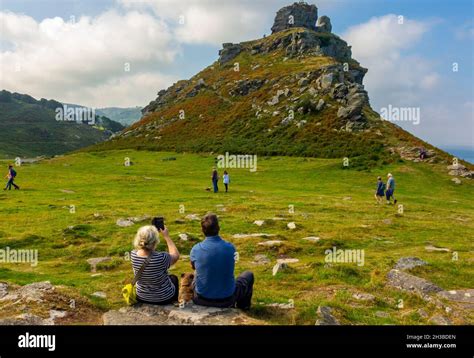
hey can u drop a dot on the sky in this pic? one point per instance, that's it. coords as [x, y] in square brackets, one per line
[103, 53]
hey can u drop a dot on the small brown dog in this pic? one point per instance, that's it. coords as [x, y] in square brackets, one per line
[186, 288]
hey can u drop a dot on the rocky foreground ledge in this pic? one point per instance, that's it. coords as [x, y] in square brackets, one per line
[190, 314]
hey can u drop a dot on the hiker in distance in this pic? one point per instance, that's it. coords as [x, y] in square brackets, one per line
[226, 181]
[390, 189]
[154, 284]
[11, 175]
[380, 191]
[214, 261]
[215, 179]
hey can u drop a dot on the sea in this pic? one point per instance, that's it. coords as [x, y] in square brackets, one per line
[464, 153]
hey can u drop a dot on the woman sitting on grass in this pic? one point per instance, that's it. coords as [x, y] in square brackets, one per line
[155, 285]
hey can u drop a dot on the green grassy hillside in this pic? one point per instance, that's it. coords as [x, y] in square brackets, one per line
[226, 107]
[28, 128]
[329, 202]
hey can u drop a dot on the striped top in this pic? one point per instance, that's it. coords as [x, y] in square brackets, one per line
[154, 285]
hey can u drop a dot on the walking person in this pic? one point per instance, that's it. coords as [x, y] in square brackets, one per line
[11, 177]
[380, 191]
[226, 180]
[215, 179]
[390, 189]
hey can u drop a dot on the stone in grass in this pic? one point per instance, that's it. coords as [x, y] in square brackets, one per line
[431, 248]
[407, 263]
[271, 243]
[100, 294]
[440, 320]
[361, 296]
[456, 181]
[97, 260]
[67, 191]
[312, 238]
[347, 198]
[325, 317]
[406, 282]
[193, 217]
[464, 296]
[382, 314]
[291, 226]
[259, 222]
[183, 237]
[279, 267]
[387, 221]
[124, 222]
[422, 313]
[261, 260]
[244, 236]
[287, 261]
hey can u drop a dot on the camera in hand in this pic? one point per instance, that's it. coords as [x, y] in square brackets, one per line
[159, 223]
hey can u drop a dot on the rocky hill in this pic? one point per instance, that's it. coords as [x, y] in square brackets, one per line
[295, 92]
[29, 127]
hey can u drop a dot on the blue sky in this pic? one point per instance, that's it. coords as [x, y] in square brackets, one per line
[409, 65]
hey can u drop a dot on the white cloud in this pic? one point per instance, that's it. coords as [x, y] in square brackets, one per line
[395, 76]
[86, 60]
[210, 21]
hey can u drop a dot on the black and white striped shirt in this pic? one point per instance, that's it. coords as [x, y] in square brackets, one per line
[154, 285]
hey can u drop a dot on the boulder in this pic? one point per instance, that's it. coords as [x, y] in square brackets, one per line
[360, 296]
[311, 238]
[124, 222]
[190, 314]
[456, 181]
[431, 248]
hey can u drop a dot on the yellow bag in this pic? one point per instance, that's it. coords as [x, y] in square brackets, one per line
[129, 291]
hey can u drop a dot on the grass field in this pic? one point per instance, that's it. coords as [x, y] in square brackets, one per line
[436, 211]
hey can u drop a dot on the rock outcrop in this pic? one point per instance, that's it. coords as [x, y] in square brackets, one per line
[190, 314]
[297, 15]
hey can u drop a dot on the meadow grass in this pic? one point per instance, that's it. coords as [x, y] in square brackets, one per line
[436, 211]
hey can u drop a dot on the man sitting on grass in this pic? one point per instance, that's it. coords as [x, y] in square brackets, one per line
[213, 261]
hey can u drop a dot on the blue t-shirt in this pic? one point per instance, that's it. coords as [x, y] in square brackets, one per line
[391, 183]
[214, 262]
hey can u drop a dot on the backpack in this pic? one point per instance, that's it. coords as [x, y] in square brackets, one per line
[13, 173]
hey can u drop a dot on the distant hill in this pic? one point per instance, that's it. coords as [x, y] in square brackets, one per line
[30, 127]
[296, 92]
[125, 116]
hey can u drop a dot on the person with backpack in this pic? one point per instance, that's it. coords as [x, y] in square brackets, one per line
[226, 180]
[380, 191]
[11, 177]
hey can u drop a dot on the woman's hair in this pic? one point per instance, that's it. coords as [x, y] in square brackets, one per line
[225, 171]
[147, 238]
[379, 178]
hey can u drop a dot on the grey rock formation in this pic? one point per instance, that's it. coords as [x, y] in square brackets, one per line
[325, 317]
[228, 52]
[406, 282]
[299, 14]
[97, 260]
[407, 263]
[324, 24]
[171, 315]
[244, 87]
